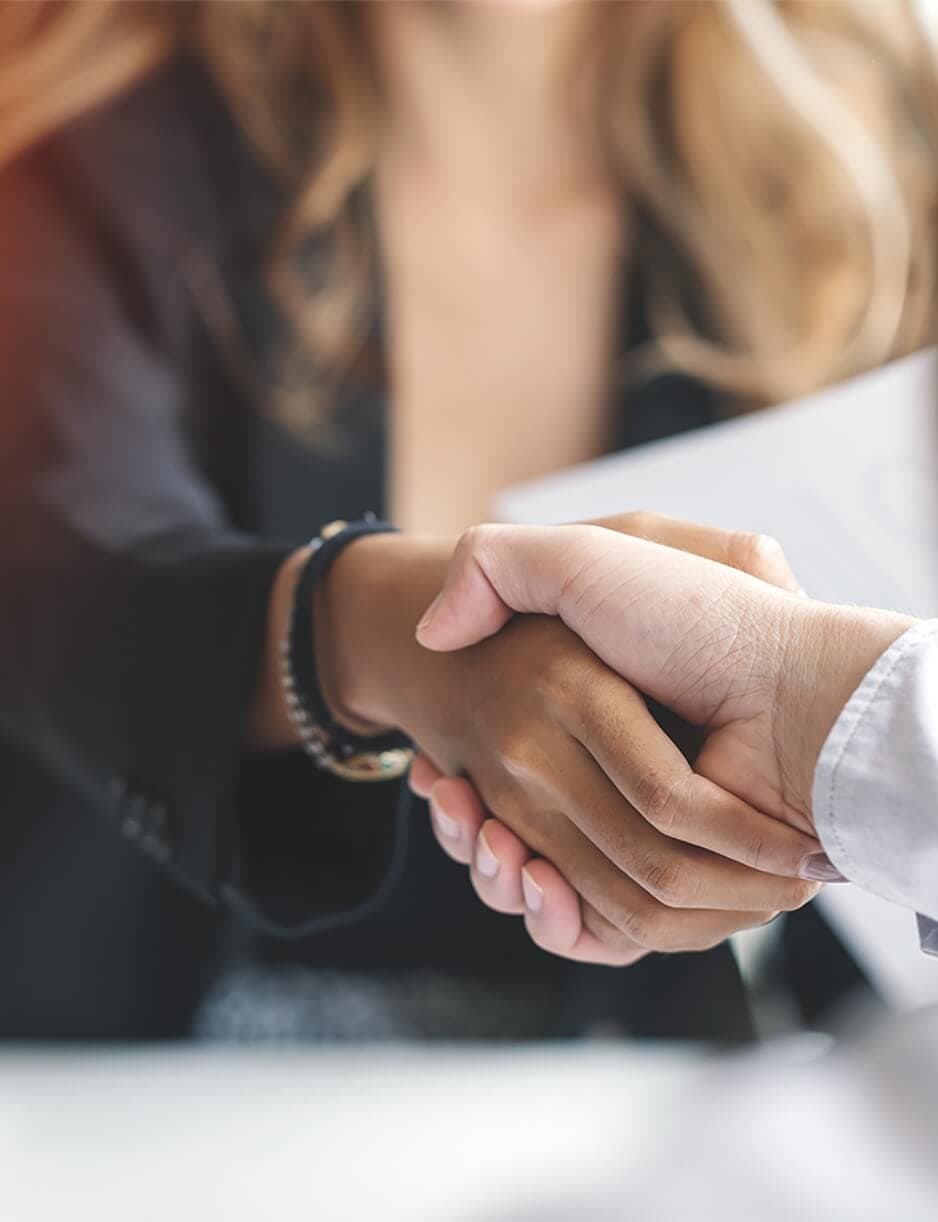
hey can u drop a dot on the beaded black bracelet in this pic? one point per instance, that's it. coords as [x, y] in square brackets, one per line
[330, 745]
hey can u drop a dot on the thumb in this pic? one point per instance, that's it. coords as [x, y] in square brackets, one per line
[667, 621]
[496, 571]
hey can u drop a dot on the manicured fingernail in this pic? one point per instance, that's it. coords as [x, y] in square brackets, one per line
[487, 863]
[429, 613]
[448, 827]
[533, 895]
[818, 868]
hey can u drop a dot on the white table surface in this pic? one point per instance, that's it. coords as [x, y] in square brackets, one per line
[579, 1134]
[200, 1135]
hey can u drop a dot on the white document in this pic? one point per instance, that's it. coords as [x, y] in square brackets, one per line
[847, 480]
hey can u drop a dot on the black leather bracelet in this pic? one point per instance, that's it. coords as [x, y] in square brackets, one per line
[331, 745]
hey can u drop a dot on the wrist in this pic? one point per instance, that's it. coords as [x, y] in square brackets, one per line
[366, 610]
[831, 651]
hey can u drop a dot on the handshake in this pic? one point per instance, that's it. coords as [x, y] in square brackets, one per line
[553, 781]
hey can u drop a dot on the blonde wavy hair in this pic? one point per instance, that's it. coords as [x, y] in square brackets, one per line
[779, 155]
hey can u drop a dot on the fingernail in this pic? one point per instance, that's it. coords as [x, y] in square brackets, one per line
[447, 826]
[818, 868]
[487, 863]
[429, 613]
[533, 895]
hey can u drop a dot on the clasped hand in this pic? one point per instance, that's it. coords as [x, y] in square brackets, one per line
[564, 797]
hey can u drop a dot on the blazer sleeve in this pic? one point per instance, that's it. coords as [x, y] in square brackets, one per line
[132, 610]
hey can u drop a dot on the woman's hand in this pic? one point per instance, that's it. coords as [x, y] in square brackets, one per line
[507, 877]
[564, 752]
[505, 873]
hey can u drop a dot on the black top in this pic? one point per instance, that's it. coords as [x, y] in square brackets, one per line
[146, 501]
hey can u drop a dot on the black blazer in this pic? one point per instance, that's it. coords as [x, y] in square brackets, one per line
[146, 501]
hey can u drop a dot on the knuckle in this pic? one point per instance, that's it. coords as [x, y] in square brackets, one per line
[584, 701]
[753, 852]
[562, 678]
[608, 933]
[505, 802]
[475, 549]
[671, 881]
[641, 924]
[520, 755]
[757, 554]
[764, 854]
[614, 836]
[801, 893]
[638, 522]
[474, 541]
[658, 799]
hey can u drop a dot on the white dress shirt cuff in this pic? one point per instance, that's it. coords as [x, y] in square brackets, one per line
[876, 783]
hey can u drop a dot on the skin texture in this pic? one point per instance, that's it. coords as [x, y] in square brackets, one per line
[764, 670]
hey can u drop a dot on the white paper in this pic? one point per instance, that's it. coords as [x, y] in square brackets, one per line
[847, 480]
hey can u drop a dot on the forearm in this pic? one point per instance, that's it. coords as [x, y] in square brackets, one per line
[830, 649]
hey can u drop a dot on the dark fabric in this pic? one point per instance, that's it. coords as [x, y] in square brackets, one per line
[146, 501]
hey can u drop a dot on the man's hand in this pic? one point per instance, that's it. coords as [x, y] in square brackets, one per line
[765, 671]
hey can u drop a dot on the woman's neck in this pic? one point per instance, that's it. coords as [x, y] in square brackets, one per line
[483, 92]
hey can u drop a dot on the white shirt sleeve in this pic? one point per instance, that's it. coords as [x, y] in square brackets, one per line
[876, 784]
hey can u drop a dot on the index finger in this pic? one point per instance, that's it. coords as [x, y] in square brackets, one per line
[753, 553]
